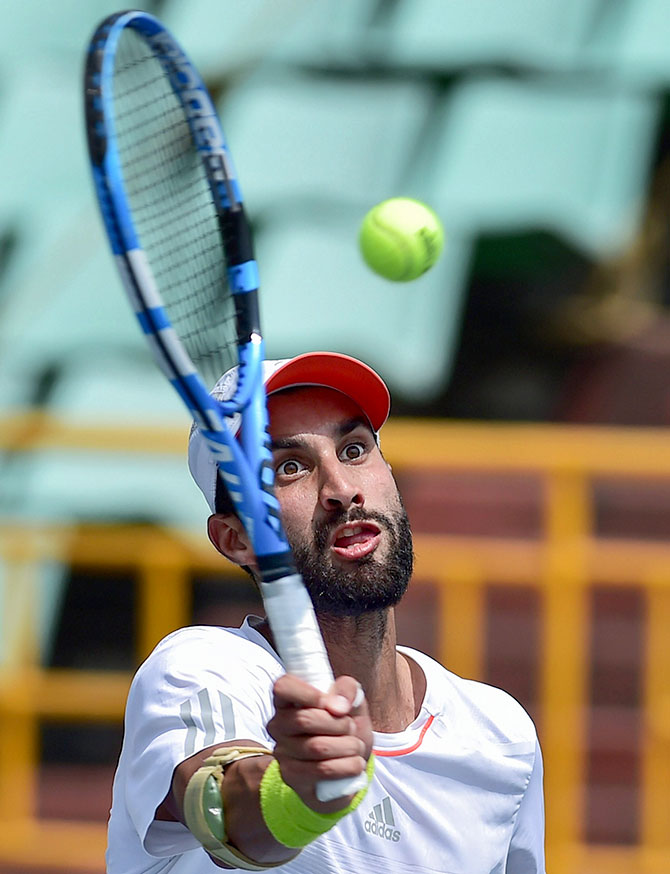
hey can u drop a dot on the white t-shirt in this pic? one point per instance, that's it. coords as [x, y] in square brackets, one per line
[458, 791]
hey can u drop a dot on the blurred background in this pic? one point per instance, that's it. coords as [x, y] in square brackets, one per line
[530, 430]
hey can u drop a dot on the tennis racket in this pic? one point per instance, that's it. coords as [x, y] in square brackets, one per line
[173, 211]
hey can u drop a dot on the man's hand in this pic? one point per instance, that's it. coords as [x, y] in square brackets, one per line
[319, 736]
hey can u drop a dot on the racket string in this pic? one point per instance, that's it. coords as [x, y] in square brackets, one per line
[172, 207]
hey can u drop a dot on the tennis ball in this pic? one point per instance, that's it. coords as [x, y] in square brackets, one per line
[401, 238]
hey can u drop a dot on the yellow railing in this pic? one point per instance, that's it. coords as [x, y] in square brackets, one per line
[563, 565]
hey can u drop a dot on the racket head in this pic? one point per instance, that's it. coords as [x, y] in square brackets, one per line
[175, 215]
[173, 210]
[126, 127]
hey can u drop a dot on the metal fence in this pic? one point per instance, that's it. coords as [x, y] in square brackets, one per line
[563, 565]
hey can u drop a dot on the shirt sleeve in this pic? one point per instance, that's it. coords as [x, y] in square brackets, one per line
[202, 689]
[526, 849]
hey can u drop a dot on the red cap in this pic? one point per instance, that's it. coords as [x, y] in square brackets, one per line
[332, 370]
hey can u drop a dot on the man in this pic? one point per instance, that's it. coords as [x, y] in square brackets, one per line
[455, 782]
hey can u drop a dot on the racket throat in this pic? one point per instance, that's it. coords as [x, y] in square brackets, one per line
[275, 567]
[247, 316]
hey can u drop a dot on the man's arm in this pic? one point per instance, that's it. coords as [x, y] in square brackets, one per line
[317, 736]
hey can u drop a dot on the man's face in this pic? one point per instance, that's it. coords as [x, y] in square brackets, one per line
[339, 503]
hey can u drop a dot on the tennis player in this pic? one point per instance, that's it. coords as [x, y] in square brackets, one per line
[223, 751]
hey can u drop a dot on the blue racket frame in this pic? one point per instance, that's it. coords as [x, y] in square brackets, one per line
[244, 464]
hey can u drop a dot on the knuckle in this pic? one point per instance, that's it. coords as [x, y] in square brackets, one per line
[281, 687]
[304, 720]
[326, 770]
[317, 747]
[330, 769]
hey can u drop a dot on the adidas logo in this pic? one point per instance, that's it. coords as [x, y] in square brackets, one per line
[380, 822]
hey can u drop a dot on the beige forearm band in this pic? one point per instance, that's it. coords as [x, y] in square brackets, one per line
[203, 807]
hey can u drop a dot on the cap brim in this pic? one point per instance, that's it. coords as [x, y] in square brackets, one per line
[333, 370]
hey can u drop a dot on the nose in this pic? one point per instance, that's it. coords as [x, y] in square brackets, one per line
[338, 488]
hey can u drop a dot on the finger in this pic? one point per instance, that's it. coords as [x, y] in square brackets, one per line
[359, 700]
[345, 696]
[299, 722]
[314, 749]
[301, 775]
[290, 691]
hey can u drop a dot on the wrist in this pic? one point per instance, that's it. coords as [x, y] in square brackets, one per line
[289, 820]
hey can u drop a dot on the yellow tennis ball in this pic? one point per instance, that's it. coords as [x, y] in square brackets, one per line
[401, 238]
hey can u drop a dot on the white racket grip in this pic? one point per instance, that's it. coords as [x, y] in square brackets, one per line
[296, 632]
[299, 643]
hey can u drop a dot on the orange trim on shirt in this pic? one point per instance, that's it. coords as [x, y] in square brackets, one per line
[411, 749]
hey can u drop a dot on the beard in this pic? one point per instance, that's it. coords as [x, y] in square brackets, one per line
[366, 585]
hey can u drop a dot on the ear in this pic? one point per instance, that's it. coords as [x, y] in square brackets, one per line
[229, 537]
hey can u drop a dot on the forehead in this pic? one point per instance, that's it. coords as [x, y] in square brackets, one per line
[312, 410]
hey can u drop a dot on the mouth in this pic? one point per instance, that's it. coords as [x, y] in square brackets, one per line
[355, 540]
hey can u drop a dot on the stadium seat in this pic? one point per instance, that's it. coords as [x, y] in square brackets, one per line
[348, 141]
[447, 35]
[516, 155]
[224, 38]
[64, 300]
[47, 204]
[68, 484]
[70, 344]
[53, 34]
[318, 294]
[42, 141]
[641, 53]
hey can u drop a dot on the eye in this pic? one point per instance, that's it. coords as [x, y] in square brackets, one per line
[289, 467]
[352, 451]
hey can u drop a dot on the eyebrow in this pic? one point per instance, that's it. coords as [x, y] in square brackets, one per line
[340, 430]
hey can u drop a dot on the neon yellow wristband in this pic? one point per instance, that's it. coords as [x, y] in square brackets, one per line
[289, 819]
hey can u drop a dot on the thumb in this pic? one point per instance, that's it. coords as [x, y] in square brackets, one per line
[346, 697]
